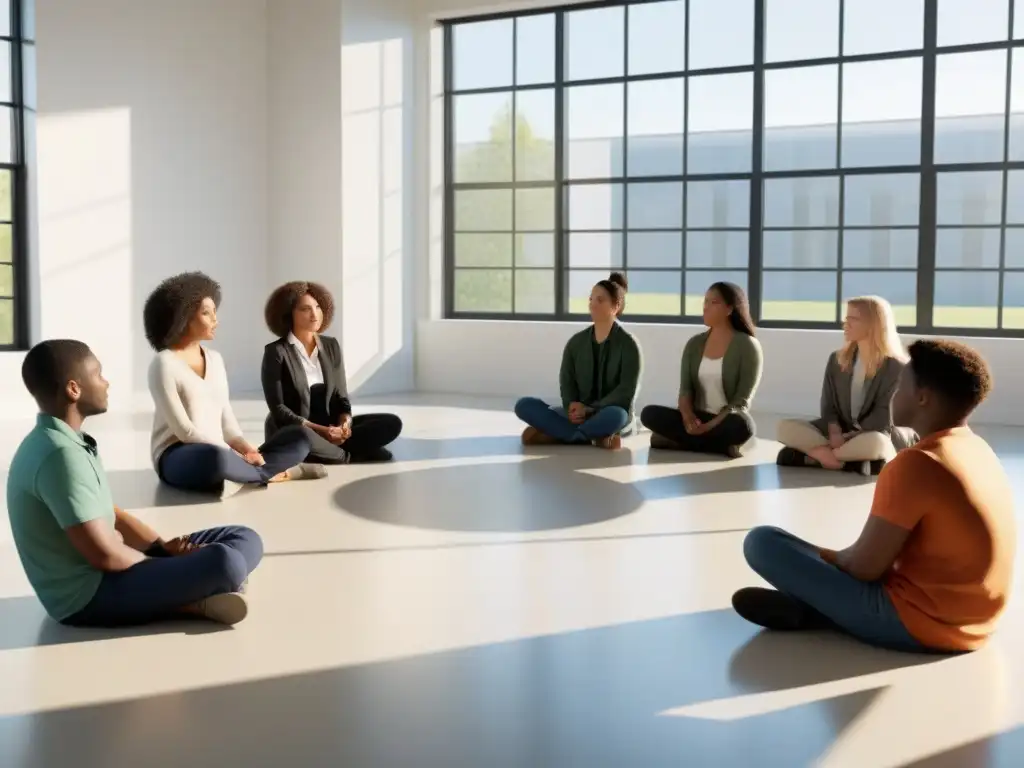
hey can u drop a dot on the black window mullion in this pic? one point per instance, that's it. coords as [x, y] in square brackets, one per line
[1006, 173]
[561, 191]
[515, 174]
[19, 185]
[927, 210]
[448, 214]
[839, 166]
[625, 142]
[686, 162]
[757, 180]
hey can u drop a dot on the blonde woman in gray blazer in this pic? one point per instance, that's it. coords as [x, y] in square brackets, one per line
[854, 429]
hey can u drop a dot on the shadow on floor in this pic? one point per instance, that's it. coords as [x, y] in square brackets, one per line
[142, 489]
[531, 495]
[421, 449]
[1003, 750]
[24, 624]
[733, 478]
[594, 697]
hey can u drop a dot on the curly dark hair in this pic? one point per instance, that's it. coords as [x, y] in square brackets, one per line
[173, 304]
[281, 304]
[955, 371]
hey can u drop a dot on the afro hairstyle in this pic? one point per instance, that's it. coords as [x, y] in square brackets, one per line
[173, 304]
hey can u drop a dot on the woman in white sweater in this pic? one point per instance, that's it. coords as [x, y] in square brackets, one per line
[197, 444]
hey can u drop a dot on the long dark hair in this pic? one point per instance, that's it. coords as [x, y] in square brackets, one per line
[616, 285]
[736, 299]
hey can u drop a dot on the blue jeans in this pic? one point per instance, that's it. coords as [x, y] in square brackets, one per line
[554, 422]
[795, 568]
[160, 586]
[203, 468]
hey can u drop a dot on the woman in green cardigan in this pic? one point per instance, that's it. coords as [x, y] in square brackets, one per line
[721, 369]
[599, 379]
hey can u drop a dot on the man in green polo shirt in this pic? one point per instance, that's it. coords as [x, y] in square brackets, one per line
[90, 563]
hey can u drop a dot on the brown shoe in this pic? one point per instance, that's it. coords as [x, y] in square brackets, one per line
[228, 608]
[533, 436]
[610, 443]
[662, 443]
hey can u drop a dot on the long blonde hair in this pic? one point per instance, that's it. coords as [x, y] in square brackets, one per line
[883, 340]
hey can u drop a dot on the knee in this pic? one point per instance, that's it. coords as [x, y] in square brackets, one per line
[784, 431]
[228, 565]
[879, 445]
[760, 546]
[524, 404]
[620, 416]
[745, 427]
[396, 424]
[297, 434]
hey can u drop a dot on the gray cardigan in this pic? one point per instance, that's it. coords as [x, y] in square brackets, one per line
[876, 410]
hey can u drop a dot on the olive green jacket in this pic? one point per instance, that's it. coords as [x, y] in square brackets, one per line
[741, 370]
[619, 370]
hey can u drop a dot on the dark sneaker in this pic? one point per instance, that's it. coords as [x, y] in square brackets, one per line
[877, 466]
[791, 457]
[662, 443]
[771, 609]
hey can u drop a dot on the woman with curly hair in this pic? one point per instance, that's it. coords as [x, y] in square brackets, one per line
[197, 443]
[304, 381]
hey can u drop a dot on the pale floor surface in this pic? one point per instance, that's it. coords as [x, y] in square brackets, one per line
[475, 604]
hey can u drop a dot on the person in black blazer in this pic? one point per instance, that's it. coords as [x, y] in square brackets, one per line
[303, 376]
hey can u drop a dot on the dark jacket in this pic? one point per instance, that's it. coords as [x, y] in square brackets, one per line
[618, 372]
[285, 387]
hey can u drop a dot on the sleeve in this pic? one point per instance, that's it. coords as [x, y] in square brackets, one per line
[163, 387]
[686, 387]
[567, 378]
[63, 484]
[632, 368]
[271, 377]
[828, 410]
[341, 403]
[879, 416]
[229, 425]
[899, 493]
[750, 377]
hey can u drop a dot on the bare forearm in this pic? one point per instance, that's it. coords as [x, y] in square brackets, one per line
[135, 533]
[241, 445]
[121, 557]
[686, 406]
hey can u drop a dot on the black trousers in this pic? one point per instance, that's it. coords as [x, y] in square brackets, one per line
[735, 429]
[370, 433]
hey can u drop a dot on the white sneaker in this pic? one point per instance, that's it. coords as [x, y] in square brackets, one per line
[228, 608]
[230, 489]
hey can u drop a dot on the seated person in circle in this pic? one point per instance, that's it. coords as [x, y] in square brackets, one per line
[855, 429]
[599, 379]
[197, 443]
[933, 564]
[90, 563]
[304, 381]
[721, 369]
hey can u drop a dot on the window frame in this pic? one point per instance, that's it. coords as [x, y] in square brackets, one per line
[927, 170]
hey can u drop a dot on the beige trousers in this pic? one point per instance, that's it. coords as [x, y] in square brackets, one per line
[804, 437]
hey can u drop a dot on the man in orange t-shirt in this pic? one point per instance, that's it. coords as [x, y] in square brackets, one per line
[933, 566]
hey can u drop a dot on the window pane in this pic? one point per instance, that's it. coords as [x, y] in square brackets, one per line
[28, 74]
[594, 43]
[6, 198]
[655, 116]
[5, 69]
[717, 249]
[535, 49]
[482, 54]
[882, 113]
[801, 29]
[721, 33]
[718, 204]
[579, 285]
[966, 299]
[535, 291]
[903, 29]
[1013, 300]
[535, 135]
[898, 288]
[483, 209]
[969, 198]
[804, 248]
[880, 248]
[595, 206]
[535, 250]
[6, 322]
[973, 247]
[973, 21]
[483, 250]
[483, 137]
[535, 209]
[720, 123]
[698, 282]
[6, 145]
[1014, 248]
[1017, 101]
[595, 249]
[594, 125]
[799, 296]
[483, 290]
[654, 293]
[5, 16]
[801, 107]
[6, 280]
[807, 202]
[657, 37]
[660, 250]
[655, 206]
[883, 200]
[970, 100]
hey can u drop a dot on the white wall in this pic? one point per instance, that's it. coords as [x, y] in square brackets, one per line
[152, 148]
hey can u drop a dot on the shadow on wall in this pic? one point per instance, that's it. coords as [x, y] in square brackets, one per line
[596, 697]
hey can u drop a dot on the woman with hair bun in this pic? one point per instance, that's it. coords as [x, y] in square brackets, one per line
[599, 379]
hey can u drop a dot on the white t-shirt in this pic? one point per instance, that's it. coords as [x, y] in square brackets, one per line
[310, 363]
[710, 377]
[190, 408]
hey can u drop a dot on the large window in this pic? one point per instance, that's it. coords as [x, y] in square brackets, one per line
[17, 62]
[808, 150]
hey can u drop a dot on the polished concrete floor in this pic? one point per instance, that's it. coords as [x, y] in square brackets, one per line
[475, 604]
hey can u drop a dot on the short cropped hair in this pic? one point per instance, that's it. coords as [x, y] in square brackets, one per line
[281, 304]
[50, 365]
[955, 371]
[173, 304]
